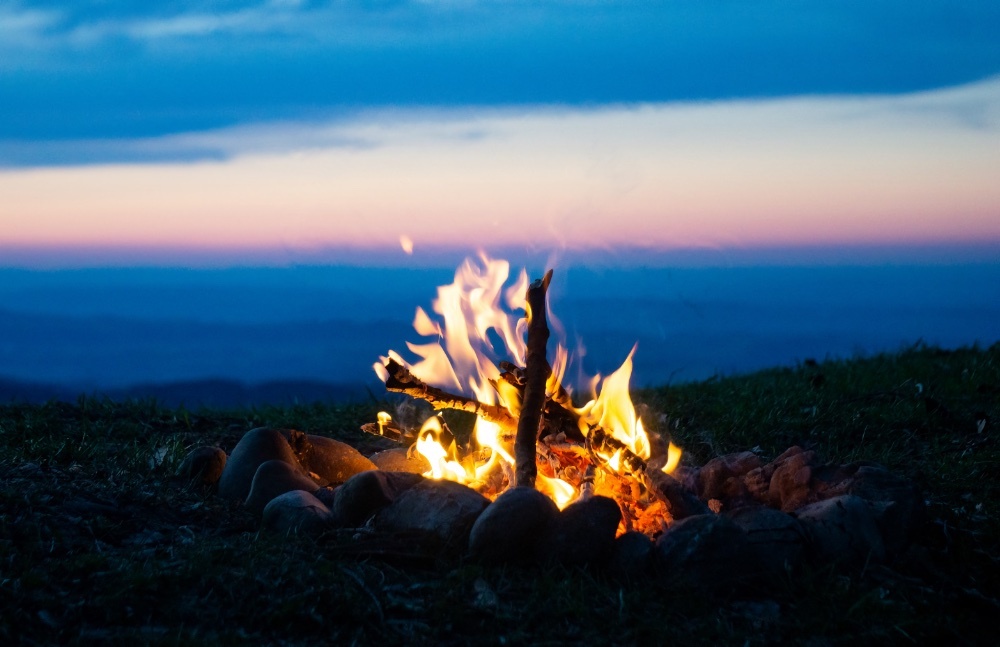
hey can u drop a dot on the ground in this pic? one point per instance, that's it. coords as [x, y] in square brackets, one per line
[100, 543]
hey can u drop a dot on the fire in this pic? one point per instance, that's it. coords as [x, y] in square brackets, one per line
[477, 351]
[430, 447]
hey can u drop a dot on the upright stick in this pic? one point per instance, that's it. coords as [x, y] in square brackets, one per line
[536, 374]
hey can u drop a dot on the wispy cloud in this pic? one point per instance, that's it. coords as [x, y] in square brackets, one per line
[802, 171]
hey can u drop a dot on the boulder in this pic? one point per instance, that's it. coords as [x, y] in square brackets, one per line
[631, 557]
[400, 460]
[272, 479]
[203, 466]
[364, 494]
[444, 509]
[510, 529]
[332, 461]
[583, 533]
[708, 552]
[680, 501]
[778, 538]
[896, 503]
[719, 477]
[256, 447]
[842, 530]
[296, 512]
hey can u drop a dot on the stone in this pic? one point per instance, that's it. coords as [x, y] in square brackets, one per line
[257, 446]
[631, 557]
[296, 512]
[364, 494]
[203, 466]
[272, 479]
[583, 533]
[400, 460]
[680, 501]
[713, 476]
[332, 461]
[778, 538]
[511, 528]
[842, 530]
[443, 509]
[708, 552]
[789, 488]
[896, 504]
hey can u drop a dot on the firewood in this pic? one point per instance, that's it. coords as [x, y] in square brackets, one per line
[536, 374]
[401, 380]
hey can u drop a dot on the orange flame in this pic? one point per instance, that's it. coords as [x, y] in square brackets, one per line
[476, 323]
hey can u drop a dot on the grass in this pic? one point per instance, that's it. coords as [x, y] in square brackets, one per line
[99, 544]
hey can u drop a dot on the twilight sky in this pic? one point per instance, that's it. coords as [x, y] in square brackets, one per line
[187, 131]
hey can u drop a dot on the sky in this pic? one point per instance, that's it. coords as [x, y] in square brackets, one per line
[194, 133]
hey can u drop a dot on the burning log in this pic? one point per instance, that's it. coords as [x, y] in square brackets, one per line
[536, 374]
[401, 380]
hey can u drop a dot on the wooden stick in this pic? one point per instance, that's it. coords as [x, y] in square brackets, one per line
[401, 380]
[536, 374]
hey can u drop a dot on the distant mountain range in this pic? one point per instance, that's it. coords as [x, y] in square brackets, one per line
[214, 393]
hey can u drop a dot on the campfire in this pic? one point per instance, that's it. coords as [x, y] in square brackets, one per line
[550, 472]
[489, 357]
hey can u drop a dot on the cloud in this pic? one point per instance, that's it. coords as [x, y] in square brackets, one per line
[91, 70]
[778, 172]
[23, 29]
[971, 107]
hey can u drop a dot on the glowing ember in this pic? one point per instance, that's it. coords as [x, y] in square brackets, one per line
[475, 362]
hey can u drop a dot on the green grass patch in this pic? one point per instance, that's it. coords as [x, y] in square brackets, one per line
[98, 542]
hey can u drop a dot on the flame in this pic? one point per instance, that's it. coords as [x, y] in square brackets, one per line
[473, 324]
[673, 459]
[429, 446]
[383, 419]
[614, 412]
[556, 489]
[472, 315]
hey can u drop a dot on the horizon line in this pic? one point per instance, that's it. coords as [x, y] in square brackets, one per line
[73, 257]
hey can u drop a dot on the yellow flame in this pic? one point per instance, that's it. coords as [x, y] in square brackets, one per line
[383, 419]
[614, 412]
[406, 243]
[556, 489]
[673, 459]
[472, 324]
[471, 313]
[429, 446]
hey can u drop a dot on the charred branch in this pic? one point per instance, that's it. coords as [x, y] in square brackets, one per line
[401, 380]
[536, 374]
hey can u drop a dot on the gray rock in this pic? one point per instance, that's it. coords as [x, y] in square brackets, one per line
[510, 529]
[583, 533]
[444, 509]
[399, 460]
[896, 504]
[843, 530]
[257, 446]
[778, 538]
[272, 479]
[364, 494]
[296, 512]
[332, 461]
[631, 557]
[707, 552]
[203, 466]
[681, 502]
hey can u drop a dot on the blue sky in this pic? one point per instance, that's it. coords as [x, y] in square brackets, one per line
[249, 131]
[107, 70]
